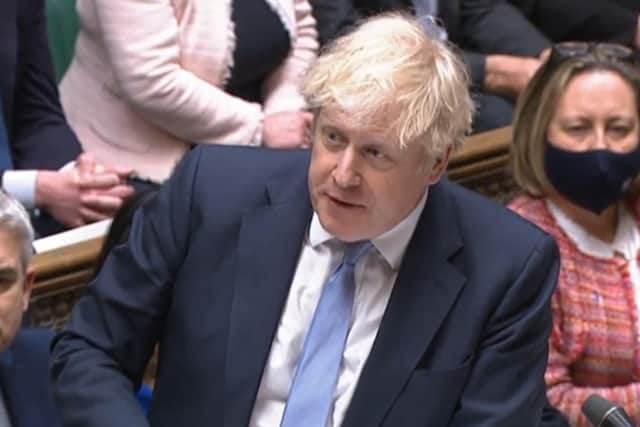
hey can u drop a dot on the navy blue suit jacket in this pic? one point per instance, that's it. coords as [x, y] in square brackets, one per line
[39, 135]
[206, 272]
[24, 377]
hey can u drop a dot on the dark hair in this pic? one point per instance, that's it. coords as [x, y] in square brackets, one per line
[121, 226]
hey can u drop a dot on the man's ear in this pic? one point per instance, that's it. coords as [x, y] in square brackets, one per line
[439, 167]
[27, 284]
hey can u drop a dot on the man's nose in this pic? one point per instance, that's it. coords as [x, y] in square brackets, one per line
[346, 173]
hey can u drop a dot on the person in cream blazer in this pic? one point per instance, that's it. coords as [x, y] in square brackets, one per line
[148, 81]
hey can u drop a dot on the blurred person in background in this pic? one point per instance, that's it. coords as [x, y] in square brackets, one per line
[36, 141]
[502, 42]
[575, 154]
[24, 352]
[151, 78]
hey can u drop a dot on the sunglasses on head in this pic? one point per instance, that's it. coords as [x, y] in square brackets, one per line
[611, 51]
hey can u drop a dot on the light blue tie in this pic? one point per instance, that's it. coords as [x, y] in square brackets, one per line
[311, 395]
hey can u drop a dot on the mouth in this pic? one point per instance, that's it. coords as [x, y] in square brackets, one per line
[338, 201]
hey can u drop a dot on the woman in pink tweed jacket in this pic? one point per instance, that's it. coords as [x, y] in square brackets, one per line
[148, 78]
[575, 151]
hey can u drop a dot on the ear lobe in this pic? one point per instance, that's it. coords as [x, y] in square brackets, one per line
[439, 167]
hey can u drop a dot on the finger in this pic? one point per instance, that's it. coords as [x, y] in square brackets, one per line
[101, 203]
[98, 181]
[90, 215]
[85, 163]
[119, 191]
[545, 54]
[308, 117]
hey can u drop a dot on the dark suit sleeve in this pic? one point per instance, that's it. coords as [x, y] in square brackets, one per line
[40, 136]
[593, 20]
[475, 63]
[506, 385]
[333, 17]
[98, 361]
[498, 27]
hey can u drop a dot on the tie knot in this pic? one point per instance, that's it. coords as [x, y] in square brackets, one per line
[355, 250]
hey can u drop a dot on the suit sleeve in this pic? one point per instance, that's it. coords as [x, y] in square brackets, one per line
[99, 359]
[333, 17]
[475, 63]
[600, 20]
[506, 384]
[498, 27]
[40, 135]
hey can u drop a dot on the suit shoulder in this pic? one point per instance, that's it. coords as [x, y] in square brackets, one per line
[489, 220]
[241, 168]
[226, 159]
[34, 340]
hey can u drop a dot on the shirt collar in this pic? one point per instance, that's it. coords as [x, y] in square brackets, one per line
[391, 244]
[626, 240]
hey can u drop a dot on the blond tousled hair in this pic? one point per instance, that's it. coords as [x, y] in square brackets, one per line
[389, 64]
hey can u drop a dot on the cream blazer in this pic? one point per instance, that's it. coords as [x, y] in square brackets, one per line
[146, 79]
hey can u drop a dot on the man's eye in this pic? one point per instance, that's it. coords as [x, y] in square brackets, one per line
[376, 154]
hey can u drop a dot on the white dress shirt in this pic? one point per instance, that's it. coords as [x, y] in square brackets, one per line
[626, 242]
[21, 184]
[375, 275]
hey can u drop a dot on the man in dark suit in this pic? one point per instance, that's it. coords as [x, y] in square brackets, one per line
[502, 42]
[24, 380]
[35, 140]
[24, 354]
[346, 286]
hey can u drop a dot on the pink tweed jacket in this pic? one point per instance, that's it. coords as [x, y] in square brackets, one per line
[146, 77]
[594, 345]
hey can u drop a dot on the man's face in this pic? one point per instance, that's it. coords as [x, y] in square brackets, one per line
[15, 288]
[361, 183]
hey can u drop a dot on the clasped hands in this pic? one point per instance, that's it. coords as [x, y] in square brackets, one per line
[84, 193]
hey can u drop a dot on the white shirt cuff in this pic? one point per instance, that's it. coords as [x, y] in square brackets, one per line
[21, 184]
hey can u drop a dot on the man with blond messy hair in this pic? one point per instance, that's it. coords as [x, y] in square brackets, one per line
[348, 286]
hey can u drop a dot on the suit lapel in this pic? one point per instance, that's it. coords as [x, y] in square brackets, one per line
[426, 288]
[269, 245]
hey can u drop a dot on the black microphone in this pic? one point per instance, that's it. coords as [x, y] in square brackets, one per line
[602, 413]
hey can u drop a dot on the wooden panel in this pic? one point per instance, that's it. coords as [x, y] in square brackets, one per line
[61, 278]
[482, 165]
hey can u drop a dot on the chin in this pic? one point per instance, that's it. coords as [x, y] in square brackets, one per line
[344, 231]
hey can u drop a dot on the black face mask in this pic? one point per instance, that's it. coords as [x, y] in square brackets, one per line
[593, 179]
